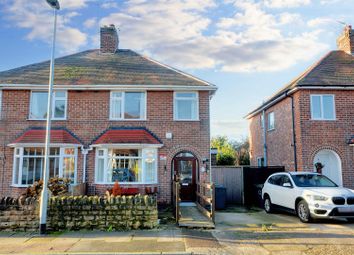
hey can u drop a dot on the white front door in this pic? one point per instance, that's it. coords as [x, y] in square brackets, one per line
[332, 165]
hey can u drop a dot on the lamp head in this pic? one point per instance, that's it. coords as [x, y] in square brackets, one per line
[54, 4]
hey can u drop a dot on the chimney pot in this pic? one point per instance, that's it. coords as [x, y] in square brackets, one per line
[345, 41]
[109, 39]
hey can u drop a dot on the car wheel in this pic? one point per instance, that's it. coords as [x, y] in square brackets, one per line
[303, 212]
[268, 207]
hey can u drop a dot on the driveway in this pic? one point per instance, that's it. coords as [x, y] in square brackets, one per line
[260, 233]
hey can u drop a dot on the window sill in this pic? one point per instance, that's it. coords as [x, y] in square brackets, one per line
[187, 120]
[323, 119]
[127, 119]
[270, 130]
[19, 186]
[46, 119]
[126, 183]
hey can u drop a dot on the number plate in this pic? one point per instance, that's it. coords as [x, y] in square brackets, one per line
[185, 184]
[346, 209]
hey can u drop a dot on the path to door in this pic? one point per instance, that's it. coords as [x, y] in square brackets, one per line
[191, 217]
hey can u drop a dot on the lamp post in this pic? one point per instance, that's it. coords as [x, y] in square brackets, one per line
[44, 195]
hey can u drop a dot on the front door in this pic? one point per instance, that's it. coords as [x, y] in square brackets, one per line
[185, 170]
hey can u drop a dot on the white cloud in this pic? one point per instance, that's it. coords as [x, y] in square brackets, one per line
[109, 5]
[38, 19]
[178, 33]
[286, 3]
[73, 4]
[90, 23]
[320, 22]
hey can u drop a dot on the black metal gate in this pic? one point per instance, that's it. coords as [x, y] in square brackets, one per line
[253, 180]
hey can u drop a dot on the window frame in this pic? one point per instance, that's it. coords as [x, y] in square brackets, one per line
[53, 104]
[322, 107]
[142, 157]
[123, 105]
[175, 98]
[270, 128]
[21, 157]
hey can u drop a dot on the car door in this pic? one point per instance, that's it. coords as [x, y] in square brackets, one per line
[287, 193]
[275, 189]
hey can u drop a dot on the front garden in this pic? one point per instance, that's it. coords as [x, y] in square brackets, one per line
[114, 211]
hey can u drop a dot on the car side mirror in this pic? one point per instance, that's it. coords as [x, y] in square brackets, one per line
[287, 184]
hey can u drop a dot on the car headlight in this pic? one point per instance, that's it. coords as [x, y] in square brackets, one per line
[319, 198]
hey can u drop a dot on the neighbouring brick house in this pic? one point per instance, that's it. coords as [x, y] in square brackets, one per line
[311, 119]
[117, 115]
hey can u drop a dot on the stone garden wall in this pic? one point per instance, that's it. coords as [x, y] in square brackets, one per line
[19, 215]
[81, 212]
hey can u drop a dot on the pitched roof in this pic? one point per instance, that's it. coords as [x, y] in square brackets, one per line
[336, 69]
[125, 67]
[127, 136]
[37, 136]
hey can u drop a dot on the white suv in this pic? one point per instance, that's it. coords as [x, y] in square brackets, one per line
[309, 195]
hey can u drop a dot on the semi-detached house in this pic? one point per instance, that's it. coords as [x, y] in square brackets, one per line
[311, 120]
[117, 116]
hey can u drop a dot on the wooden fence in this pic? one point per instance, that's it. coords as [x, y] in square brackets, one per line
[232, 179]
[176, 199]
[242, 183]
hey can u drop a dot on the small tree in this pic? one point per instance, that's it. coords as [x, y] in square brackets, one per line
[226, 153]
[242, 149]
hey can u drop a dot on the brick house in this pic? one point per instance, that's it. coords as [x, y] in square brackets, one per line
[311, 119]
[117, 115]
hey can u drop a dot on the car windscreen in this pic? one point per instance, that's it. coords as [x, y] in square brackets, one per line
[312, 180]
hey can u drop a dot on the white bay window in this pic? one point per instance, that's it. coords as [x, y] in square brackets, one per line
[28, 164]
[126, 165]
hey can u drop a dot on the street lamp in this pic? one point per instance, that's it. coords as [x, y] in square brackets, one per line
[44, 195]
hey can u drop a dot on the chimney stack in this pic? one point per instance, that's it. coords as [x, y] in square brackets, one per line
[109, 39]
[345, 41]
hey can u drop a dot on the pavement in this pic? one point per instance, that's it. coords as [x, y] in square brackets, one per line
[249, 232]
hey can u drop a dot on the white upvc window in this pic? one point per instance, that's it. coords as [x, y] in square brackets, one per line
[323, 107]
[39, 101]
[28, 165]
[127, 105]
[186, 106]
[127, 166]
[271, 121]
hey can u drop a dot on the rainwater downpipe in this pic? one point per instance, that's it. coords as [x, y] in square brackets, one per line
[84, 152]
[264, 139]
[294, 133]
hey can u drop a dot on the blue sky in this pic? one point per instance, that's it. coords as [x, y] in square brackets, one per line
[248, 48]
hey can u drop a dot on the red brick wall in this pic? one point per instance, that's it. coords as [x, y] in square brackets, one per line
[88, 116]
[311, 135]
[318, 134]
[279, 140]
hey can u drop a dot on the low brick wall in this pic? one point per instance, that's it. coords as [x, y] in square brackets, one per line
[81, 212]
[18, 215]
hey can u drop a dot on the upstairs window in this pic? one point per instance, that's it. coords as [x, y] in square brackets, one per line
[39, 101]
[186, 106]
[322, 107]
[128, 106]
[271, 121]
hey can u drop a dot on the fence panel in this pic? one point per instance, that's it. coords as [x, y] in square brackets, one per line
[232, 179]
